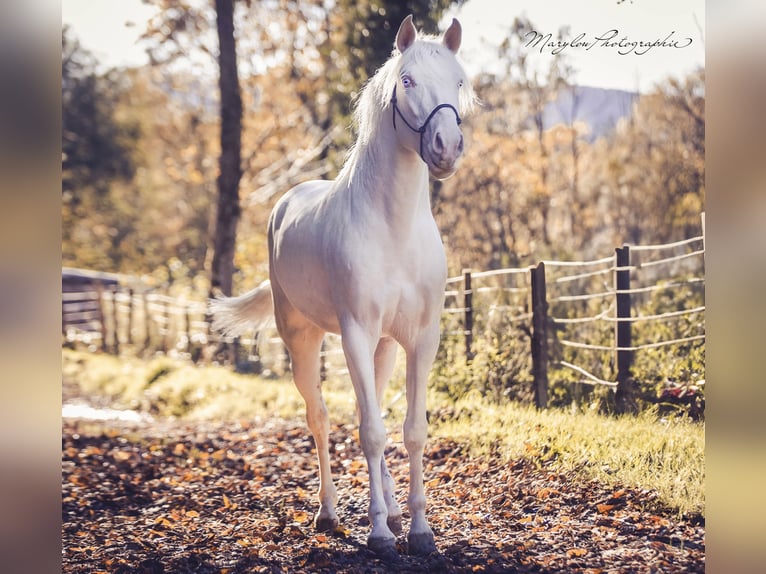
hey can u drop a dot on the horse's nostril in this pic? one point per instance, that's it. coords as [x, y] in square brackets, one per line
[438, 144]
[460, 145]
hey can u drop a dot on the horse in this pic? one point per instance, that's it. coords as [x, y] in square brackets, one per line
[361, 256]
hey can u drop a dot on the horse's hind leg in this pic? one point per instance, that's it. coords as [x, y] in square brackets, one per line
[305, 362]
[304, 342]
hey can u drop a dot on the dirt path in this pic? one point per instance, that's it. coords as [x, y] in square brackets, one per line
[228, 498]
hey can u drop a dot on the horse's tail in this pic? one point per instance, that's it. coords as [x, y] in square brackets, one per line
[234, 315]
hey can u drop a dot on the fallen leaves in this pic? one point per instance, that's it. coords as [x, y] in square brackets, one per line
[216, 498]
[576, 552]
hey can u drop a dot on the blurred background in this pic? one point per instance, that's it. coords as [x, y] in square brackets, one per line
[154, 113]
[569, 154]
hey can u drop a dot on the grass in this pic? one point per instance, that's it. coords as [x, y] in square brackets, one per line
[644, 452]
[171, 388]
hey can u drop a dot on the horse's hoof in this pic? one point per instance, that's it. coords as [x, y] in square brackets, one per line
[325, 523]
[421, 543]
[385, 548]
[395, 524]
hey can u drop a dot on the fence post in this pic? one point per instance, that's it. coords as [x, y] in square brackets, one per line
[623, 358]
[129, 334]
[147, 322]
[539, 335]
[468, 315]
[101, 316]
[187, 328]
[164, 321]
[115, 321]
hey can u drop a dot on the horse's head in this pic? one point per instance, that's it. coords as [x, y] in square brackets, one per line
[431, 92]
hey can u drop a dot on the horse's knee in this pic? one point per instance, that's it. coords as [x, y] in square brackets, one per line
[415, 434]
[372, 435]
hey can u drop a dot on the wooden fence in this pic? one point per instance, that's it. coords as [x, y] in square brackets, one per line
[547, 301]
[120, 315]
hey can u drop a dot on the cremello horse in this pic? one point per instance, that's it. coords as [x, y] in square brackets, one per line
[361, 256]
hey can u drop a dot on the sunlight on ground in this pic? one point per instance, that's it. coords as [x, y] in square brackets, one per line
[643, 452]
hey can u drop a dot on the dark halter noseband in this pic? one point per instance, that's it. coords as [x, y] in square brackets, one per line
[422, 129]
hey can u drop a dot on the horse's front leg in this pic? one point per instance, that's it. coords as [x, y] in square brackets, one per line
[420, 358]
[385, 358]
[359, 347]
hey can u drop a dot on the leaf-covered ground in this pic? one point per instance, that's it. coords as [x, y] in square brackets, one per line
[160, 497]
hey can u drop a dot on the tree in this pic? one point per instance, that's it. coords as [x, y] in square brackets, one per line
[97, 156]
[513, 167]
[96, 147]
[539, 86]
[228, 211]
[654, 166]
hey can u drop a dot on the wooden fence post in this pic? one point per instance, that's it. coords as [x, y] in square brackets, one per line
[623, 357]
[101, 316]
[147, 322]
[129, 334]
[165, 320]
[115, 321]
[187, 328]
[539, 335]
[468, 315]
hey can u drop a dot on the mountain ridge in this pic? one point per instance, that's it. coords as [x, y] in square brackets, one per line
[599, 108]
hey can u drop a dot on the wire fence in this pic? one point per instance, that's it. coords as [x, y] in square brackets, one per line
[589, 318]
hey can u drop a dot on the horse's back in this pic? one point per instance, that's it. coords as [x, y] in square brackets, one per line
[299, 201]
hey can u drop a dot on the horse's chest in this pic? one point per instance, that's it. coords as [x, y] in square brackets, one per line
[414, 295]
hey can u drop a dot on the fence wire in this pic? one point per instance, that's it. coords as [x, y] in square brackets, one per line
[150, 318]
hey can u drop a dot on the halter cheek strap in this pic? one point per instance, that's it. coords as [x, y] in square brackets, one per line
[422, 129]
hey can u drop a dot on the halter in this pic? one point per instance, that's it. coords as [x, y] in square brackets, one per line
[422, 129]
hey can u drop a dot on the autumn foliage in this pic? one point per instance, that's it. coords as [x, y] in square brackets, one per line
[525, 191]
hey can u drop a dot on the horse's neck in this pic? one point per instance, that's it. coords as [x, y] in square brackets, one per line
[391, 180]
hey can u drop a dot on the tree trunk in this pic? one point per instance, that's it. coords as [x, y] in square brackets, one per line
[228, 212]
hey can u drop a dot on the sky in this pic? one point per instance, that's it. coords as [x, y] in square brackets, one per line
[101, 27]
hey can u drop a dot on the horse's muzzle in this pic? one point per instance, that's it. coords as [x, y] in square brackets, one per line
[443, 151]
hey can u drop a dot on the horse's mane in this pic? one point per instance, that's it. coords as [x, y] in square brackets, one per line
[375, 99]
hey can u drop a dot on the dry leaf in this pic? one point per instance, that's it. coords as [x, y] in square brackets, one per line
[341, 531]
[576, 552]
[301, 517]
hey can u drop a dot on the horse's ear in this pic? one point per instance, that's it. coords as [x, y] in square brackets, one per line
[453, 36]
[406, 35]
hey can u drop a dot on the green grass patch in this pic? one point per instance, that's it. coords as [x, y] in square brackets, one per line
[644, 452]
[170, 388]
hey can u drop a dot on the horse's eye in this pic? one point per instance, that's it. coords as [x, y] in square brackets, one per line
[460, 84]
[407, 81]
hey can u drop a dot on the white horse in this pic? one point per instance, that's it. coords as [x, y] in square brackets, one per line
[361, 256]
